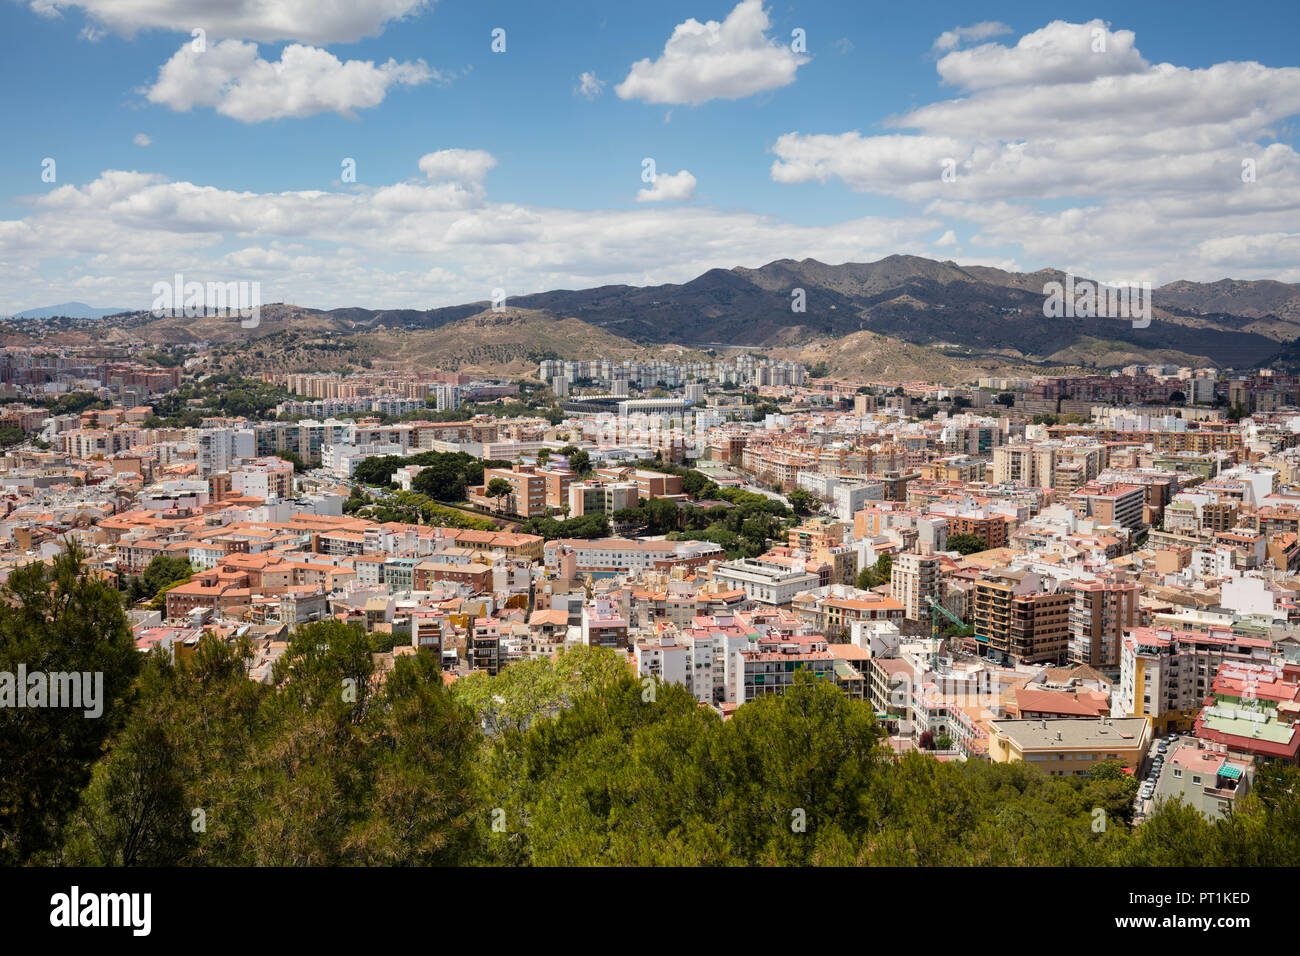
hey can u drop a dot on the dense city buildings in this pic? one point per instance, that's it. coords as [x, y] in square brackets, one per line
[994, 586]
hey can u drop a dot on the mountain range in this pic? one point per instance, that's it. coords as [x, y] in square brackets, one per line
[67, 310]
[905, 312]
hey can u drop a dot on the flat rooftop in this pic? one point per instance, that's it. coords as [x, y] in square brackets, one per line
[1121, 732]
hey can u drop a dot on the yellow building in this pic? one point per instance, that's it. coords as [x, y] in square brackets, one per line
[1070, 746]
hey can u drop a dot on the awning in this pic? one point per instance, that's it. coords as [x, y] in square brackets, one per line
[1229, 771]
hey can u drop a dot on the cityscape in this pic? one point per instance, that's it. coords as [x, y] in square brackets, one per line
[650, 518]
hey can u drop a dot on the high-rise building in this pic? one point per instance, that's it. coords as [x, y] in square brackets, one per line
[1103, 610]
[914, 578]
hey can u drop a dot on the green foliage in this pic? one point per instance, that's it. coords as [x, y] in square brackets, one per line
[570, 761]
[526, 692]
[803, 502]
[411, 507]
[966, 543]
[74, 403]
[579, 462]
[321, 768]
[162, 573]
[584, 526]
[499, 489]
[444, 476]
[56, 619]
[743, 529]
[878, 574]
[226, 394]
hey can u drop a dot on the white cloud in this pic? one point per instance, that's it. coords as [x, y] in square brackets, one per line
[457, 165]
[230, 77]
[1058, 53]
[141, 139]
[706, 61]
[1067, 152]
[947, 240]
[266, 21]
[960, 36]
[412, 244]
[669, 187]
[589, 86]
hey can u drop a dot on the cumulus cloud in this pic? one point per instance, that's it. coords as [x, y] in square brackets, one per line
[669, 187]
[266, 21]
[960, 36]
[1067, 146]
[589, 86]
[1058, 53]
[457, 165]
[410, 244]
[141, 139]
[707, 61]
[231, 78]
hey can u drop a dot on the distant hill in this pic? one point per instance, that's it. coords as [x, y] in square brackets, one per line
[68, 310]
[906, 312]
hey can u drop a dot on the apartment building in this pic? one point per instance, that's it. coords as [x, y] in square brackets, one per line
[1029, 464]
[991, 527]
[711, 641]
[890, 686]
[833, 610]
[474, 575]
[1072, 746]
[1020, 616]
[768, 666]
[817, 534]
[624, 556]
[527, 497]
[650, 484]
[1102, 611]
[601, 497]
[483, 649]
[1205, 776]
[558, 480]
[664, 659]
[1117, 504]
[1254, 709]
[264, 478]
[914, 578]
[1167, 674]
[603, 625]
[766, 583]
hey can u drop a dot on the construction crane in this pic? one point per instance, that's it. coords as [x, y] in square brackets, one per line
[937, 611]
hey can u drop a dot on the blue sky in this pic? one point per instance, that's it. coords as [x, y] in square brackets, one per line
[1111, 178]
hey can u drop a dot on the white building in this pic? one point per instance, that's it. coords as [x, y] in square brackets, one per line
[766, 583]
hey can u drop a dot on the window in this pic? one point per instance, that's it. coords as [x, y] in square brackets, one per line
[1177, 773]
[1196, 779]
